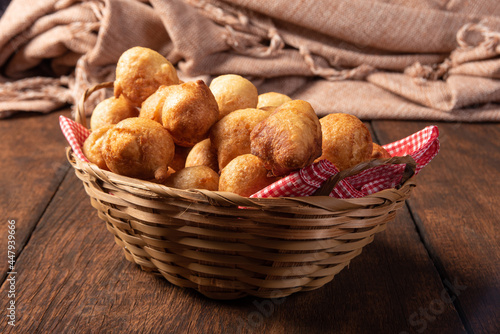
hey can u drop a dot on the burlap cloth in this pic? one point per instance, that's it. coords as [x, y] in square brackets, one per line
[392, 59]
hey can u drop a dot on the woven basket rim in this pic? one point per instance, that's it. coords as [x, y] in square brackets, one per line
[222, 198]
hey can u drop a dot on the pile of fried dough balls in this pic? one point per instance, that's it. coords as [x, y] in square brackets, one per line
[225, 137]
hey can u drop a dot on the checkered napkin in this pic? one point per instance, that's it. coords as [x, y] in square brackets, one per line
[75, 135]
[423, 146]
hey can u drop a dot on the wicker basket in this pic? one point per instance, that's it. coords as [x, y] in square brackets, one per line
[227, 246]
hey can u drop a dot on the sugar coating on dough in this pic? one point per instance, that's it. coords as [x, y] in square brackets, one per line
[233, 92]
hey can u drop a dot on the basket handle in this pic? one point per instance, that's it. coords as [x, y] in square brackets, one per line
[80, 109]
[327, 187]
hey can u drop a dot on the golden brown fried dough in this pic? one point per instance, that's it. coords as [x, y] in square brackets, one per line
[188, 112]
[139, 147]
[139, 73]
[92, 147]
[268, 108]
[233, 92]
[346, 140]
[195, 177]
[111, 111]
[245, 175]
[231, 135]
[272, 99]
[203, 154]
[289, 139]
[179, 161]
[379, 152]
[152, 107]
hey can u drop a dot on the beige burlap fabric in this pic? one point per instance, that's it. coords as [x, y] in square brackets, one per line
[392, 59]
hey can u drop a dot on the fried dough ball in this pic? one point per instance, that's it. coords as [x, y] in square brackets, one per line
[203, 154]
[272, 99]
[139, 73]
[245, 175]
[180, 155]
[233, 92]
[152, 107]
[231, 135]
[92, 147]
[268, 108]
[289, 139]
[379, 152]
[195, 177]
[346, 140]
[139, 147]
[189, 111]
[111, 111]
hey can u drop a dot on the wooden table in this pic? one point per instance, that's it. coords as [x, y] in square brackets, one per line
[436, 269]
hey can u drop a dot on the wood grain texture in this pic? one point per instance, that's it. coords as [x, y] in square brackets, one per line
[73, 278]
[455, 208]
[32, 166]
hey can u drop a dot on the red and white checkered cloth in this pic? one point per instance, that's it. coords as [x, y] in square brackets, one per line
[423, 146]
[75, 135]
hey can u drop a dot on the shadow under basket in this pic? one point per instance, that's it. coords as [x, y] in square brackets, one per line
[226, 246]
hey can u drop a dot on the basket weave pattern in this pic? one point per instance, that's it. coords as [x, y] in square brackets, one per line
[227, 246]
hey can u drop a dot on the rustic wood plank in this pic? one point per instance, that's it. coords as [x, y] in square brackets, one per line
[32, 166]
[455, 206]
[73, 278]
[390, 288]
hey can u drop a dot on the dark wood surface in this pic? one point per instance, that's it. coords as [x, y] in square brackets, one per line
[434, 270]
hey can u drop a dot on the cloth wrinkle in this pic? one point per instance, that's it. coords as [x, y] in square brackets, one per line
[404, 62]
[244, 33]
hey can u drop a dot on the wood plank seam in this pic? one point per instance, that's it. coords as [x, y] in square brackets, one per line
[443, 276]
[438, 265]
[20, 248]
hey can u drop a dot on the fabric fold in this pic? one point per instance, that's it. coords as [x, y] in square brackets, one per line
[390, 59]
